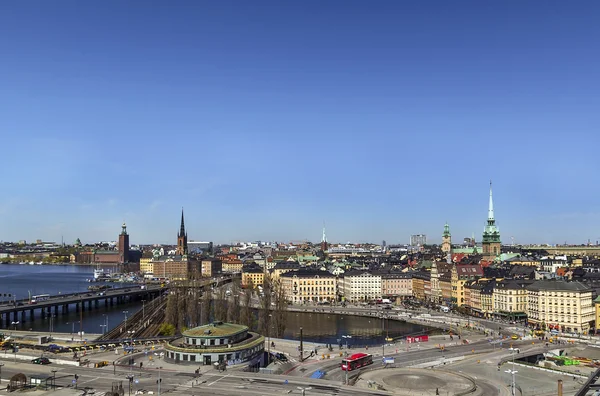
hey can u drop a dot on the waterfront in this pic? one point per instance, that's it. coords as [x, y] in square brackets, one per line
[21, 280]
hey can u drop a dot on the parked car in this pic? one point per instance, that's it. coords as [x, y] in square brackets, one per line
[41, 360]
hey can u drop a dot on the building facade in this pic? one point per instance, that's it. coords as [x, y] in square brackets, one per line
[396, 285]
[217, 342]
[211, 267]
[309, 286]
[557, 304]
[361, 285]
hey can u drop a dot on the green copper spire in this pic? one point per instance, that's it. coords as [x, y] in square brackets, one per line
[446, 231]
[491, 232]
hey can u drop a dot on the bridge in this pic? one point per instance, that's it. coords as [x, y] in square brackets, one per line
[17, 310]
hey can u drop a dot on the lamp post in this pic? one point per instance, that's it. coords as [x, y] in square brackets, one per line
[130, 378]
[15, 324]
[1, 364]
[125, 312]
[346, 337]
[51, 325]
[269, 340]
[512, 372]
[143, 310]
[304, 389]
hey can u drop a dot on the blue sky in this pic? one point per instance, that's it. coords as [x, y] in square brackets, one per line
[266, 119]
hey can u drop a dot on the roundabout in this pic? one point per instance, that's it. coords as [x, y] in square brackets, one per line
[416, 382]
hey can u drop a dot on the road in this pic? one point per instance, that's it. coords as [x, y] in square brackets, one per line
[181, 383]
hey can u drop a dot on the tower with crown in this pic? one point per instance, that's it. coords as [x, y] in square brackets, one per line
[182, 248]
[123, 245]
[324, 244]
[446, 239]
[491, 234]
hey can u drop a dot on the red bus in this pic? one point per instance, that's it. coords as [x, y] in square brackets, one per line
[357, 360]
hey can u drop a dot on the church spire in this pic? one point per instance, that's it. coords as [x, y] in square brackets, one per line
[182, 227]
[491, 206]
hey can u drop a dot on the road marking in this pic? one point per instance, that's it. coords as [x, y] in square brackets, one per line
[215, 381]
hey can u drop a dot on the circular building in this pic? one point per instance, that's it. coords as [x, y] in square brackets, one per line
[216, 342]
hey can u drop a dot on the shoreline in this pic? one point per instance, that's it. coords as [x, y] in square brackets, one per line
[67, 264]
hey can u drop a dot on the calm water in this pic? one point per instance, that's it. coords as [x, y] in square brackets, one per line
[328, 329]
[20, 280]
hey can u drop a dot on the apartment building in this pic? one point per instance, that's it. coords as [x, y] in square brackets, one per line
[284, 266]
[253, 275]
[510, 299]
[459, 274]
[211, 267]
[309, 285]
[361, 285]
[557, 304]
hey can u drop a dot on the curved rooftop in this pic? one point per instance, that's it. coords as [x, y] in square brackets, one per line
[215, 329]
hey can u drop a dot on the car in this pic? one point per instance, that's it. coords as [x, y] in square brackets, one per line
[41, 360]
[514, 337]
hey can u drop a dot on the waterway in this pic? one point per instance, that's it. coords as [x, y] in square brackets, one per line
[330, 329]
[20, 280]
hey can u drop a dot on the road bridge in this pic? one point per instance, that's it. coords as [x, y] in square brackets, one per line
[60, 304]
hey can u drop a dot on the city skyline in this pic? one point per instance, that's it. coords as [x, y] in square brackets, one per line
[263, 120]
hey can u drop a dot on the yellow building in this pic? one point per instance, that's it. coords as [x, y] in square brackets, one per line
[561, 305]
[254, 275]
[309, 285]
[232, 266]
[284, 266]
[146, 266]
[459, 274]
[597, 312]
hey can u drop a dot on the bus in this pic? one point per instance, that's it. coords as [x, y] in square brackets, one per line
[357, 360]
[39, 297]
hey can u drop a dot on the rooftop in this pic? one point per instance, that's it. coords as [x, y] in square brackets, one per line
[215, 329]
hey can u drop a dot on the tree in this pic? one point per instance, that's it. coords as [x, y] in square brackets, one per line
[166, 329]
[233, 305]
[206, 308]
[247, 316]
[171, 311]
[279, 309]
[221, 305]
[264, 311]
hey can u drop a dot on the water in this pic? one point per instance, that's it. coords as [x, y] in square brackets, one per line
[20, 280]
[329, 329]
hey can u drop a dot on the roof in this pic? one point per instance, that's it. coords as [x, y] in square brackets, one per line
[285, 265]
[469, 270]
[307, 273]
[215, 329]
[558, 285]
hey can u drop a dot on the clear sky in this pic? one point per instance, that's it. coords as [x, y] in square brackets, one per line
[266, 119]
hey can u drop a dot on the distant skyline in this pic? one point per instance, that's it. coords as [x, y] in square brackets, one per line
[265, 119]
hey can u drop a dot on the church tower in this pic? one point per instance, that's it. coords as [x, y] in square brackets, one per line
[123, 244]
[446, 239]
[182, 248]
[491, 235]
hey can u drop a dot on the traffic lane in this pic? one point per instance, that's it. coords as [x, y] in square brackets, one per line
[335, 373]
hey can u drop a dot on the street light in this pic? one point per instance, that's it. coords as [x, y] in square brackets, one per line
[125, 312]
[512, 372]
[346, 337]
[143, 310]
[130, 378]
[304, 389]
[1, 364]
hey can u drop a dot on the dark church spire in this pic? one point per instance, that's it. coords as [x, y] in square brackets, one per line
[182, 227]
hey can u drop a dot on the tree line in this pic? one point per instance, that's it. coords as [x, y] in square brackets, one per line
[191, 304]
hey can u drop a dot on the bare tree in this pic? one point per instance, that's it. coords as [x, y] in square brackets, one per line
[233, 305]
[247, 316]
[264, 311]
[280, 309]
[221, 305]
[171, 312]
[206, 306]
